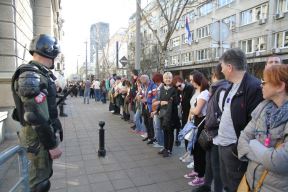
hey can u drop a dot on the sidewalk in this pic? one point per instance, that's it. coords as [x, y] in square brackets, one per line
[130, 164]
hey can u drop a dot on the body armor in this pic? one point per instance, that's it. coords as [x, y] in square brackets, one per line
[34, 93]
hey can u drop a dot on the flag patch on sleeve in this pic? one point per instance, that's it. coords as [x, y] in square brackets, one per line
[40, 98]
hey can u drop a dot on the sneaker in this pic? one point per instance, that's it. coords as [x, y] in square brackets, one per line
[191, 175]
[197, 181]
[183, 156]
[188, 159]
[156, 145]
[144, 135]
[190, 165]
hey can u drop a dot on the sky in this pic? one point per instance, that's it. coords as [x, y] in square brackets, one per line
[80, 15]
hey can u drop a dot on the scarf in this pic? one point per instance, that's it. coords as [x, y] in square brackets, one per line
[276, 116]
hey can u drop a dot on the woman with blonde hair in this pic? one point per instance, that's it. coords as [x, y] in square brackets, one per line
[263, 142]
[169, 120]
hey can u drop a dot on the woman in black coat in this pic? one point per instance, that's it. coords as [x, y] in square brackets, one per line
[169, 99]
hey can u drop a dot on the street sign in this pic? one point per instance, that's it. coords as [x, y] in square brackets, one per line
[124, 61]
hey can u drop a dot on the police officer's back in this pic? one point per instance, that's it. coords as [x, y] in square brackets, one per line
[34, 93]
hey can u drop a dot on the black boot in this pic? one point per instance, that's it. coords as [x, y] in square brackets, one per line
[203, 188]
[42, 187]
[62, 114]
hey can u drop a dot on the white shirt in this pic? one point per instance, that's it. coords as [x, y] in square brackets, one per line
[200, 95]
[96, 84]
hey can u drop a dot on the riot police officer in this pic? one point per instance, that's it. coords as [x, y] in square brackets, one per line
[34, 93]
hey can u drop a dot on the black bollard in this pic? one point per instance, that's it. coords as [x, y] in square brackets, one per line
[101, 151]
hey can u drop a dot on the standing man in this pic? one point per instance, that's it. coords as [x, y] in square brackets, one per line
[87, 91]
[239, 101]
[96, 87]
[34, 93]
[146, 100]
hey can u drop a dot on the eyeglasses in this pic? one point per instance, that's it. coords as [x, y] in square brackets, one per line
[263, 82]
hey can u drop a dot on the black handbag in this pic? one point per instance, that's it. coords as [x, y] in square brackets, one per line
[206, 138]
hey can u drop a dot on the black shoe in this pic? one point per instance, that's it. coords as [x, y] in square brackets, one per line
[63, 115]
[115, 113]
[150, 142]
[162, 151]
[166, 153]
[133, 127]
[145, 139]
[177, 143]
[203, 188]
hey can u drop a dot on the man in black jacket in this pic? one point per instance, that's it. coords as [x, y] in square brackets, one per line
[239, 101]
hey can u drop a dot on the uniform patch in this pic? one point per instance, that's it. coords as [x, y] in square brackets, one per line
[40, 98]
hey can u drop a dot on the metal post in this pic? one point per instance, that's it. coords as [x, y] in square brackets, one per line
[138, 37]
[101, 151]
[86, 62]
[117, 54]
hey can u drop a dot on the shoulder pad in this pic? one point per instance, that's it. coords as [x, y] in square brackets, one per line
[29, 84]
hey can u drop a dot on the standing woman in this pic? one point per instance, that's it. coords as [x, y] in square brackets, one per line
[198, 112]
[168, 114]
[268, 129]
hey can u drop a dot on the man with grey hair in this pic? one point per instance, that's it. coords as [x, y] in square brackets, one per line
[239, 101]
[148, 94]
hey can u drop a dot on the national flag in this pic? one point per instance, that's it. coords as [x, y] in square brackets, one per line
[189, 35]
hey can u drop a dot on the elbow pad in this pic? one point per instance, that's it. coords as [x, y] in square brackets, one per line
[29, 84]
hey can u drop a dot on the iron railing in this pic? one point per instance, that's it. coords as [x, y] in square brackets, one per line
[23, 166]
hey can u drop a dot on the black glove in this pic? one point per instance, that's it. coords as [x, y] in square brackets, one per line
[58, 127]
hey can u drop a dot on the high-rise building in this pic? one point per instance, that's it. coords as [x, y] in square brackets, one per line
[99, 37]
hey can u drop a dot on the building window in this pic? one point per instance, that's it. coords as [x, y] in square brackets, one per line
[246, 17]
[205, 9]
[260, 43]
[246, 46]
[186, 57]
[223, 2]
[254, 14]
[202, 54]
[175, 41]
[281, 39]
[164, 30]
[191, 15]
[230, 21]
[282, 6]
[260, 12]
[203, 31]
[175, 60]
[184, 37]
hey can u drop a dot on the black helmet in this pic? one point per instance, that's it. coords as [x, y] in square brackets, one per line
[45, 45]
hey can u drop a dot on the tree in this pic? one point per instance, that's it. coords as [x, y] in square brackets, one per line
[170, 14]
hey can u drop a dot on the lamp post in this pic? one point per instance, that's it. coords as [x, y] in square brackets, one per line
[86, 67]
[138, 39]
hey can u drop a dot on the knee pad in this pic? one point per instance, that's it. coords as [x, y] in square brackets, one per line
[42, 187]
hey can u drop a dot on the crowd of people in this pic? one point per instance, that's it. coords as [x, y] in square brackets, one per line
[245, 117]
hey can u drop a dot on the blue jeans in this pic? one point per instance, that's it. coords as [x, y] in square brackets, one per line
[139, 121]
[97, 94]
[86, 95]
[159, 136]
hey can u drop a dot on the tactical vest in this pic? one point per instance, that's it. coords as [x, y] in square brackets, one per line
[18, 113]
